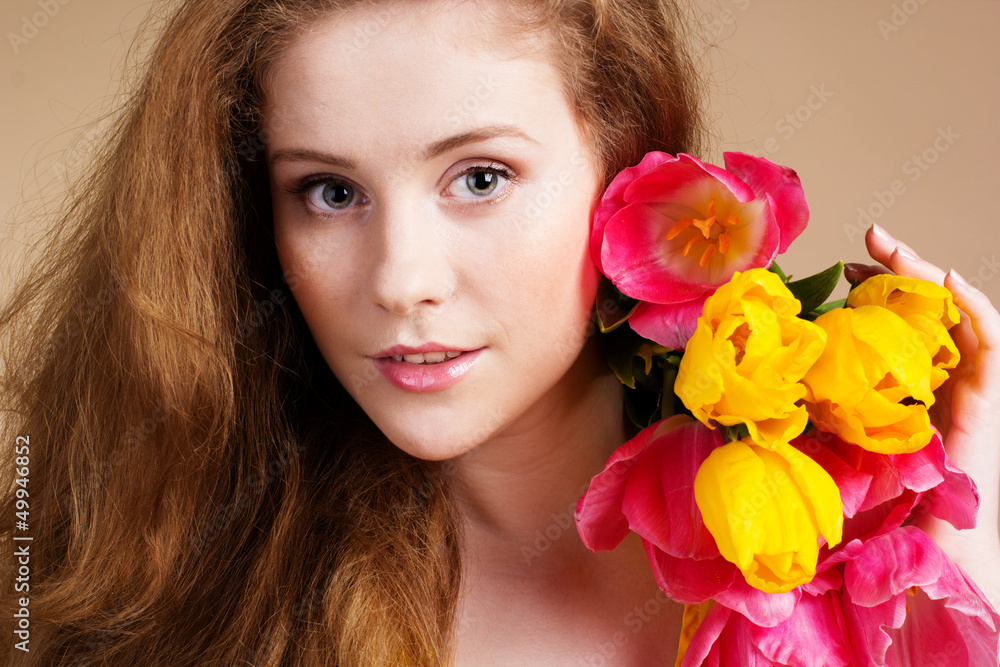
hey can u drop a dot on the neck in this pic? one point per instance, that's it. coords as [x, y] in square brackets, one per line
[517, 492]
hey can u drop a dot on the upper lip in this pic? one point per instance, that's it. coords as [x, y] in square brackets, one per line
[401, 350]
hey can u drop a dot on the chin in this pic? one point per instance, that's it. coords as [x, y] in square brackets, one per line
[437, 439]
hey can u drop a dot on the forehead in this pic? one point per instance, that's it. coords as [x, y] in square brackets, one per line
[407, 67]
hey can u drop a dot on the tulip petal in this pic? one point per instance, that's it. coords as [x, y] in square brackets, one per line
[613, 199]
[976, 621]
[781, 184]
[670, 325]
[706, 636]
[659, 494]
[871, 385]
[764, 609]
[866, 626]
[766, 508]
[599, 518]
[735, 646]
[815, 635]
[852, 483]
[951, 494]
[950, 613]
[891, 563]
[927, 637]
[669, 181]
[882, 518]
[820, 489]
[687, 580]
[638, 262]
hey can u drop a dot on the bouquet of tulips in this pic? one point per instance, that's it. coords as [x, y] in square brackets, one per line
[786, 448]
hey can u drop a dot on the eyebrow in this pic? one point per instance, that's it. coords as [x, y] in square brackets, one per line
[430, 152]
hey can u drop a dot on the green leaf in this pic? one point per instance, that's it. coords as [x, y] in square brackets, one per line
[613, 307]
[774, 268]
[631, 357]
[815, 289]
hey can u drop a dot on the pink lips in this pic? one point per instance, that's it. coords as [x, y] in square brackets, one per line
[425, 377]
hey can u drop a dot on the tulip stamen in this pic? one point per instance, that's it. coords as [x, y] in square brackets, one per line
[713, 230]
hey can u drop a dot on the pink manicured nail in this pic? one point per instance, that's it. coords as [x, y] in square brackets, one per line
[957, 277]
[881, 233]
[906, 254]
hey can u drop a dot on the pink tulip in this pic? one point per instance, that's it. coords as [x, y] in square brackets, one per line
[815, 635]
[946, 492]
[670, 230]
[903, 602]
[647, 486]
[906, 603]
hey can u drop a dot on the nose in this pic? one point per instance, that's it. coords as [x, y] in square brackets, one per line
[410, 267]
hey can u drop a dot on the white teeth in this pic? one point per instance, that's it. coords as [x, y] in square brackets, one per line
[427, 357]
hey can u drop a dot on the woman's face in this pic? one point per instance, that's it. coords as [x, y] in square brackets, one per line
[431, 214]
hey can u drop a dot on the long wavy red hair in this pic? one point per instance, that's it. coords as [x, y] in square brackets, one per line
[202, 491]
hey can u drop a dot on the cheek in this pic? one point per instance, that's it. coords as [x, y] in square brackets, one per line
[557, 274]
[556, 286]
[316, 280]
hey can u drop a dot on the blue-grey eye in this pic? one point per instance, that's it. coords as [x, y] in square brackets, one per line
[337, 195]
[479, 182]
[482, 182]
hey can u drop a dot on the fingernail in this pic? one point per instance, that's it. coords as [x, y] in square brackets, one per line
[957, 277]
[881, 233]
[906, 254]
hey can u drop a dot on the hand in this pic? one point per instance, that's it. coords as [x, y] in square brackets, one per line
[966, 409]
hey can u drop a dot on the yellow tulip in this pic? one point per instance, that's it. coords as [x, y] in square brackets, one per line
[925, 306]
[744, 363]
[766, 509]
[872, 384]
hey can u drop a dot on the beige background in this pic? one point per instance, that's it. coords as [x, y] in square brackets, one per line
[847, 92]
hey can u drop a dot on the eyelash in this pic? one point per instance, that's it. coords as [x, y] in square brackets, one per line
[302, 189]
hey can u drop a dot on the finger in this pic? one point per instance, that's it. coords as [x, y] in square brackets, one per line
[906, 263]
[985, 321]
[964, 337]
[855, 272]
[984, 317]
[899, 257]
[880, 244]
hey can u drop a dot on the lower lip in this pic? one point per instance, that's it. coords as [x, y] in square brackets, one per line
[427, 377]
